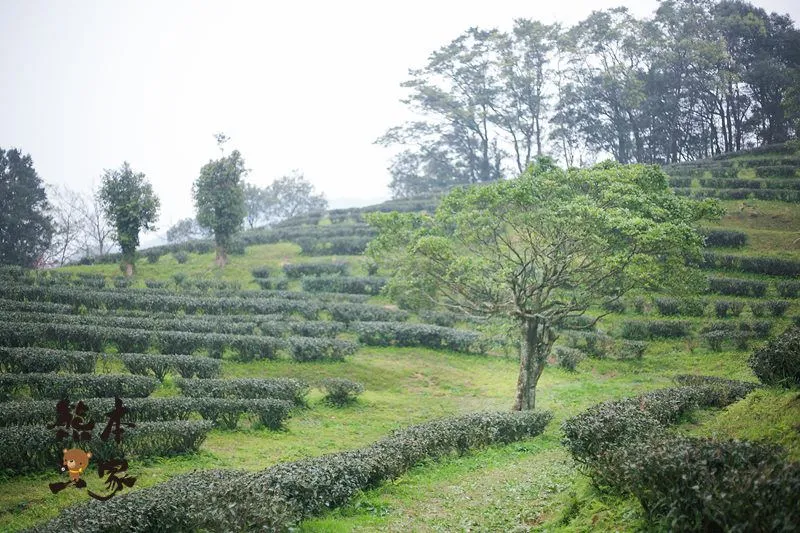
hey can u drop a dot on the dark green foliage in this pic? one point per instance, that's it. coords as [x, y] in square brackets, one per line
[404, 334]
[568, 358]
[631, 349]
[777, 308]
[348, 313]
[757, 328]
[76, 385]
[155, 284]
[776, 171]
[737, 287]
[723, 307]
[32, 448]
[685, 484]
[314, 328]
[614, 306]
[26, 360]
[341, 391]
[298, 270]
[219, 199]
[725, 238]
[789, 289]
[130, 205]
[278, 284]
[778, 363]
[277, 498]
[371, 285]
[122, 282]
[261, 272]
[668, 306]
[293, 390]
[181, 257]
[152, 256]
[771, 266]
[333, 246]
[269, 412]
[592, 343]
[26, 228]
[650, 329]
[758, 308]
[443, 318]
[184, 365]
[320, 349]
[717, 338]
[34, 306]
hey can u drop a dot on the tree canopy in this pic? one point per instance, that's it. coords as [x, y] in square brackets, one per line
[542, 248]
[286, 197]
[697, 78]
[219, 199]
[25, 225]
[131, 206]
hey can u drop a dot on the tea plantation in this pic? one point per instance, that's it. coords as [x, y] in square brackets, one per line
[286, 391]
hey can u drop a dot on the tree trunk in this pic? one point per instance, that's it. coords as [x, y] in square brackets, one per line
[222, 256]
[537, 339]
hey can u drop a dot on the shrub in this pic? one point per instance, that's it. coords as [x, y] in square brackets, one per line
[314, 349]
[32, 448]
[261, 272]
[631, 349]
[568, 358]
[179, 278]
[296, 271]
[777, 308]
[159, 365]
[614, 306]
[403, 334]
[27, 360]
[668, 306]
[277, 498]
[347, 284]
[341, 391]
[758, 308]
[650, 329]
[289, 389]
[155, 284]
[725, 238]
[152, 255]
[181, 257]
[715, 339]
[737, 287]
[122, 282]
[778, 363]
[789, 289]
[59, 386]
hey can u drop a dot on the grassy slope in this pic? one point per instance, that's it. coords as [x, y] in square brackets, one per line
[522, 486]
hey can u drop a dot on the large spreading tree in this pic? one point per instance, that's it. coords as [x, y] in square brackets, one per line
[25, 225]
[219, 199]
[543, 248]
[131, 206]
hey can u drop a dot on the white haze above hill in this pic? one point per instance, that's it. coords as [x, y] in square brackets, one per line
[296, 85]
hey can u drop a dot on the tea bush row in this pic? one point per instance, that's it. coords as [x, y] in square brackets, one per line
[299, 270]
[653, 329]
[332, 246]
[778, 362]
[771, 266]
[405, 334]
[33, 448]
[370, 285]
[26, 360]
[737, 287]
[34, 306]
[340, 391]
[223, 412]
[59, 386]
[289, 389]
[279, 497]
[783, 195]
[186, 366]
[724, 238]
[685, 484]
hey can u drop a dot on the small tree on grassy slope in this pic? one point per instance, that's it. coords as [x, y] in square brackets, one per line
[131, 206]
[542, 248]
[219, 199]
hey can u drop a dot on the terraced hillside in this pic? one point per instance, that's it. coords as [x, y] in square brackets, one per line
[231, 369]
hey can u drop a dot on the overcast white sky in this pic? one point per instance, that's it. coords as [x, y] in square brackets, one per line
[305, 85]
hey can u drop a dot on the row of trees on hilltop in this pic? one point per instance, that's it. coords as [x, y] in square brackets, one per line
[37, 232]
[697, 79]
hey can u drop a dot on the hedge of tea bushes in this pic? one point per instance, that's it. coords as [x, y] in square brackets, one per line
[289, 389]
[406, 334]
[684, 483]
[25, 360]
[186, 366]
[223, 412]
[35, 448]
[300, 270]
[57, 386]
[370, 285]
[771, 266]
[279, 497]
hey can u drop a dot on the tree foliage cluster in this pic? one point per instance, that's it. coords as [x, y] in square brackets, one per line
[284, 198]
[696, 79]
